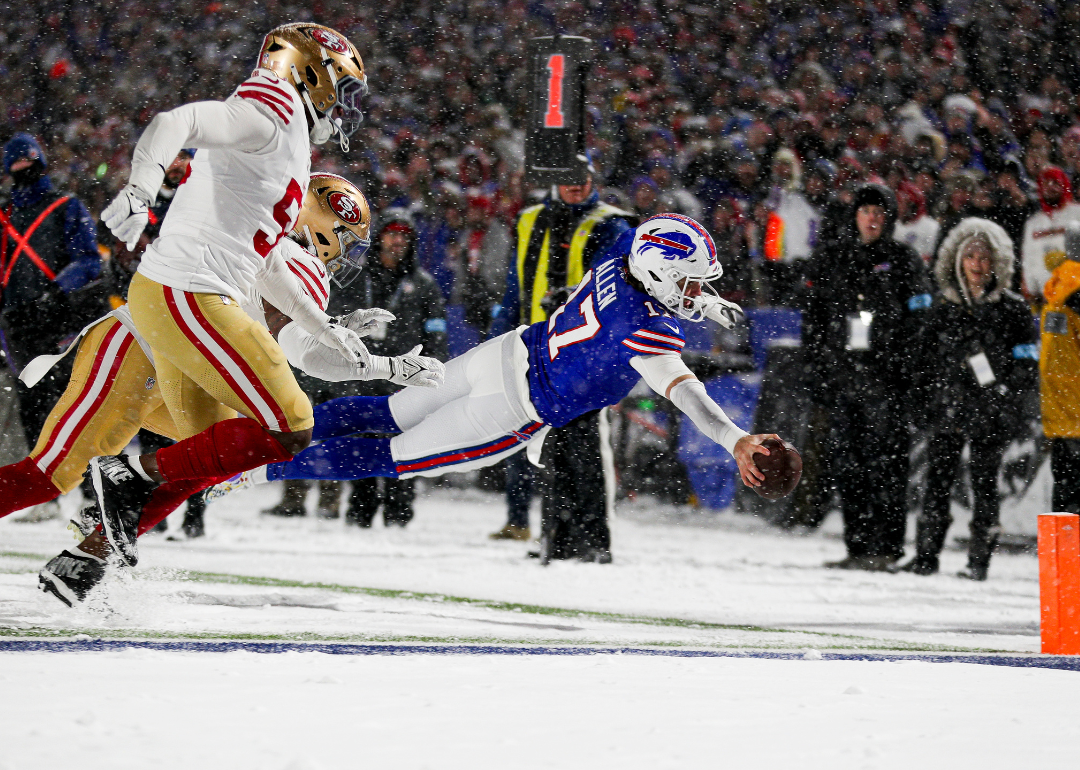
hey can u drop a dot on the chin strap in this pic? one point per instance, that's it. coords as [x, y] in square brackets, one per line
[321, 129]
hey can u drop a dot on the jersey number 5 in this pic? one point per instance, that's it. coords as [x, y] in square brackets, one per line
[285, 212]
[586, 331]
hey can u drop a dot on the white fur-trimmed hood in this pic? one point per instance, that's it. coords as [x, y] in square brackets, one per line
[947, 266]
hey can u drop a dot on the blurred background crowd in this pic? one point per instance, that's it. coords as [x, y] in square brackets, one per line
[728, 112]
[760, 119]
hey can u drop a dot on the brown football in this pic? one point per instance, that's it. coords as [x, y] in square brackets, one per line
[782, 469]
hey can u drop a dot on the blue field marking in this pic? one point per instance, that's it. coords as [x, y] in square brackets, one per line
[1020, 660]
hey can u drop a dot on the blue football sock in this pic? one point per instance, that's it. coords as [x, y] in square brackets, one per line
[353, 414]
[338, 458]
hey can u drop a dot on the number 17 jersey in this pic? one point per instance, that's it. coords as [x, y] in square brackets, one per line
[579, 359]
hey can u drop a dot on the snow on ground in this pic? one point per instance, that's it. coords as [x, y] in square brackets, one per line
[738, 581]
[296, 711]
[680, 580]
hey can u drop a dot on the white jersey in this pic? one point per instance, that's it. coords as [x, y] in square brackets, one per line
[920, 234]
[236, 205]
[1044, 245]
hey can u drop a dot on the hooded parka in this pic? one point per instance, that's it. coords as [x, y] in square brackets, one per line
[979, 366]
[958, 327]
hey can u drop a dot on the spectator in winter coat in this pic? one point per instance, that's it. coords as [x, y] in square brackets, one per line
[791, 226]
[41, 300]
[484, 246]
[863, 305]
[979, 365]
[1044, 234]
[914, 226]
[1059, 370]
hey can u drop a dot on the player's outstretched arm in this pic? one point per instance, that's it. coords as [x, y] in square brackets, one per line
[315, 359]
[670, 377]
[278, 286]
[235, 124]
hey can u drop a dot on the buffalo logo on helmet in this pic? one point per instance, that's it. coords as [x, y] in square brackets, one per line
[328, 39]
[345, 207]
[675, 242]
[673, 245]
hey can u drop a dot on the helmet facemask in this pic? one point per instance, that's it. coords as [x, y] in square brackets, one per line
[350, 261]
[344, 116]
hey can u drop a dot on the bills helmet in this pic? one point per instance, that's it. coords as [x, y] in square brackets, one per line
[336, 223]
[327, 71]
[674, 258]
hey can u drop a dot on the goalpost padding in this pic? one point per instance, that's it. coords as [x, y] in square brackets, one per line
[1059, 583]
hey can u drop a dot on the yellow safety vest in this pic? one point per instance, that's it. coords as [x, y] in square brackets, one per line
[532, 312]
[1059, 361]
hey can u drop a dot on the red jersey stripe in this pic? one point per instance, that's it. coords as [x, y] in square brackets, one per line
[261, 83]
[274, 98]
[258, 97]
[640, 348]
[311, 291]
[650, 335]
[323, 288]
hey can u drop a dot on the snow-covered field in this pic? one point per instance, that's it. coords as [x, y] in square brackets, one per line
[681, 583]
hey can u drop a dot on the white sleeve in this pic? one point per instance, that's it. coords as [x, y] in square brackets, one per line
[661, 370]
[280, 288]
[689, 397]
[236, 124]
[315, 359]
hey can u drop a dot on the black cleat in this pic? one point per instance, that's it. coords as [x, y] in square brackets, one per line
[70, 576]
[285, 510]
[920, 565]
[121, 494]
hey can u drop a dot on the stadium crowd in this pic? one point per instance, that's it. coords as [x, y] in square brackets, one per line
[760, 119]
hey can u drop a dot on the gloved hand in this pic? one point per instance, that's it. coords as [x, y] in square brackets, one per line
[411, 369]
[365, 321]
[345, 341]
[128, 215]
[723, 312]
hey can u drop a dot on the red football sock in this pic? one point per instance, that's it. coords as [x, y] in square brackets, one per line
[23, 485]
[168, 497]
[224, 449]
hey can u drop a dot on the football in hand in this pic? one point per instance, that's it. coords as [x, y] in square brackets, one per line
[782, 468]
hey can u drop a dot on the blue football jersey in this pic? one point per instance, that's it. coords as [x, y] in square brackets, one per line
[579, 359]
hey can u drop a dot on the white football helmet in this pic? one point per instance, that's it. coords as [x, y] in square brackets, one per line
[674, 258]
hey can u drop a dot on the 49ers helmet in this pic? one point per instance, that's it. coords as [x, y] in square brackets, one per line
[336, 221]
[327, 71]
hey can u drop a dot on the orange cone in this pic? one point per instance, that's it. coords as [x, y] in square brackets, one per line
[1059, 583]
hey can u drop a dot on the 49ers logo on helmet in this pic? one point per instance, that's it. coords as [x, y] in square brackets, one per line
[345, 207]
[331, 40]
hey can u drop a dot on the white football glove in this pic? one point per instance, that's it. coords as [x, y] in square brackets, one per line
[410, 369]
[346, 342]
[365, 321]
[723, 312]
[127, 215]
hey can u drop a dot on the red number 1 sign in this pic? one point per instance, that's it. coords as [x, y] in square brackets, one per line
[554, 117]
